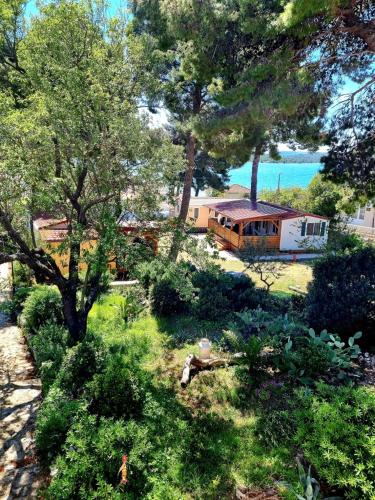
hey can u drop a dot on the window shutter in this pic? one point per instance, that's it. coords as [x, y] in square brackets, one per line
[303, 229]
[323, 228]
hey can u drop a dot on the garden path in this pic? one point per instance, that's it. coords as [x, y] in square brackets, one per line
[20, 393]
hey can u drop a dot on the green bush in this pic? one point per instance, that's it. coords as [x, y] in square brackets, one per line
[117, 391]
[340, 240]
[54, 420]
[93, 453]
[342, 294]
[336, 432]
[14, 306]
[308, 356]
[81, 363]
[135, 303]
[165, 298]
[42, 306]
[49, 346]
[276, 329]
[22, 276]
[167, 284]
[220, 293]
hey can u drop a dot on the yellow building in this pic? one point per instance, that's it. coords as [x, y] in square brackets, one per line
[198, 214]
[51, 233]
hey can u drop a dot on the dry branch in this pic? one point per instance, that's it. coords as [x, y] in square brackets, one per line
[193, 361]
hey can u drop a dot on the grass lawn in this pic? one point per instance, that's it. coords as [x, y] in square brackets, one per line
[296, 274]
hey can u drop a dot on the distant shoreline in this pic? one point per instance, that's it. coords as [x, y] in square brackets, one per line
[294, 157]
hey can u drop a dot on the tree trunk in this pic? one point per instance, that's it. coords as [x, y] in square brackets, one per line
[76, 322]
[254, 174]
[188, 179]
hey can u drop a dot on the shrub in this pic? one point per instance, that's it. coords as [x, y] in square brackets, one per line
[165, 298]
[117, 391]
[135, 303]
[219, 293]
[22, 276]
[42, 306]
[90, 465]
[54, 420]
[167, 284]
[342, 294]
[81, 363]
[336, 431]
[14, 306]
[308, 356]
[266, 325]
[49, 346]
[340, 240]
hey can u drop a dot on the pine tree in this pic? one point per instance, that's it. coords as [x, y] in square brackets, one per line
[192, 36]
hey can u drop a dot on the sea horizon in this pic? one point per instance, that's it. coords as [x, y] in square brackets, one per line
[291, 175]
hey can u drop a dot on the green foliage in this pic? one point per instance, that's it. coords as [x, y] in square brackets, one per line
[54, 420]
[310, 356]
[116, 391]
[42, 306]
[309, 485]
[265, 324]
[135, 303]
[21, 275]
[220, 293]
[343, 241]
[14, 306]
[80, 364]
[208, 293]
[295, 197]
[49, 346]
[251, 349]
[341, 295]
[165, 298]
[93, 456]
[168, 285]
[335, 429]
[321, 197]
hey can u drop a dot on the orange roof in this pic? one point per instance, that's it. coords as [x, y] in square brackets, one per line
[239, 210]
[46, 221]
[51, 235]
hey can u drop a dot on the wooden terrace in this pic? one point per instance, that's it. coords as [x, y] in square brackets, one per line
[237, 224]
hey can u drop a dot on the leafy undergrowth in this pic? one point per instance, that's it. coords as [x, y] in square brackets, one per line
[205, 435]
[236, 427]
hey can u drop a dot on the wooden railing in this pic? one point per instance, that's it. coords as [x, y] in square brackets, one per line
[269, 242]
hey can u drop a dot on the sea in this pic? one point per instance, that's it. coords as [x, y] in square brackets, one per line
[291, 175]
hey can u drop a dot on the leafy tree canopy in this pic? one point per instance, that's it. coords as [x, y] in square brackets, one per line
[321, 197]
[75, 142]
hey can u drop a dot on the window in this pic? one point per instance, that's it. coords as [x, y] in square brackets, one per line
[361, 213]
[196, 213]
[313, 228]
